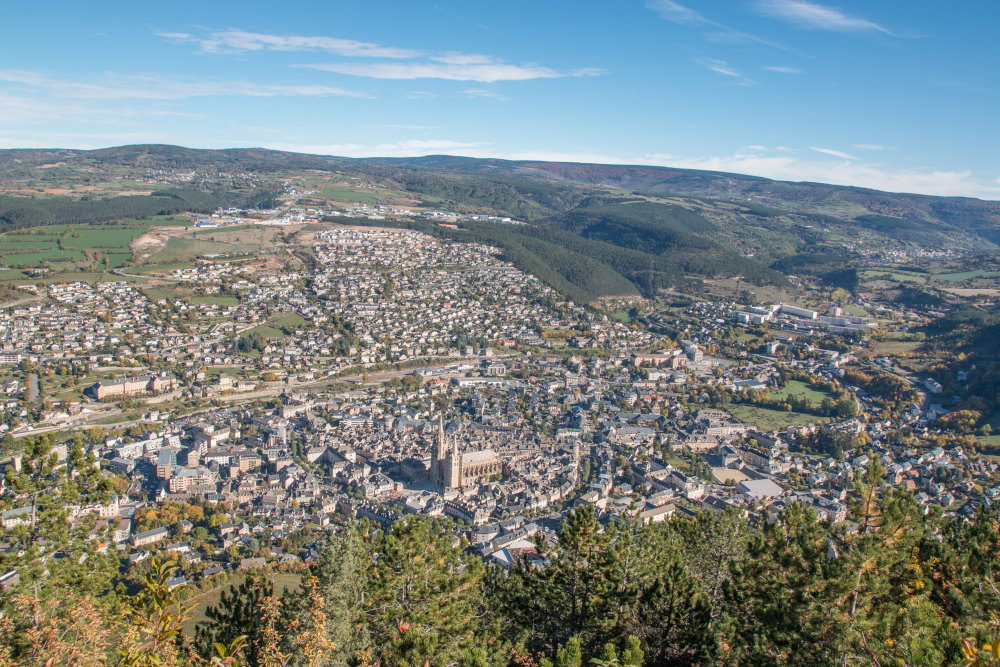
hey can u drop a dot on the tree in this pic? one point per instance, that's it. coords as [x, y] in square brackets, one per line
[424, 596]
[578, 594]
[44, 492]
[340, 581]
[887, 592]
[155, 618]
[779, 601]
[847, 407]
[238, 614]
[711, 545]
[670, 612]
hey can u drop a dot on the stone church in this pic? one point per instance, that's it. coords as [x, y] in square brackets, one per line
[453, 468]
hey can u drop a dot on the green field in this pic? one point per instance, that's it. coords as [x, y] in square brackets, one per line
[797, 388]
[219, 300]
[181, 250]
[29, 259]
[103, 237]
[35, 246]
[266, 332]
[291, 320]
[357, 195]
[895, 275]
[965, 275]
[768, 420]
[989, 440]
[232, 372]
[157, 293]
[891, 347]
[851, 309]
[70, 276]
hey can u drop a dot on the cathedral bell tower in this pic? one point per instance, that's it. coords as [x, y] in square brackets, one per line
[453, 467]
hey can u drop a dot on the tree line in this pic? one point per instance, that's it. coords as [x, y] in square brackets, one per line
[20, 212]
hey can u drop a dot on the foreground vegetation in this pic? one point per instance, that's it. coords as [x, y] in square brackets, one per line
[894, 585]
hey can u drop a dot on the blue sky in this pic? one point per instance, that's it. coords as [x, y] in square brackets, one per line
[895, 95]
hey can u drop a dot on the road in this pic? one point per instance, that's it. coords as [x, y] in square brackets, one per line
[22, 301]
[377, 376]
[33, 387]
[78, 422]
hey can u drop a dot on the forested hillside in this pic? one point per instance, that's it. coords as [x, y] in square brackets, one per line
[936, 216]
[20, 212]
[594, 230]
[585, 268]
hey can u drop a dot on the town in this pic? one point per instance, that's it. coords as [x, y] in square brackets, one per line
[405, 375]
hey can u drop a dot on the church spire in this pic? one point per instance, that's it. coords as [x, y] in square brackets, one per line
[442, 440]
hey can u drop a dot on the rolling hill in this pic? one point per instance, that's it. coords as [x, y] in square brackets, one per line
[593, 230]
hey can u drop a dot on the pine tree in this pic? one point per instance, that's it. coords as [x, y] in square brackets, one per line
[886, 587]
[671, 610]
[45, 491]
[424, 596]
[238, 614]
[570, 655]
[710, 545]
[340, 580]
[577, 595]
[780, 601]
[966, 564]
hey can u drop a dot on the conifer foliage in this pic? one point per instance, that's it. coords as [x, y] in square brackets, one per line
[895, 585]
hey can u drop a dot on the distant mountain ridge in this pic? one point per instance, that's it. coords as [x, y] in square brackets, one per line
[594, 230]
[671, 180]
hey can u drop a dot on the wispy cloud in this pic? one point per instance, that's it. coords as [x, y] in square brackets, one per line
[409, 148]
[678, 13]
[464, 59]
[262, 128]
[782, 70]
[787, 168]
[723, 68]
[830, 151]
[402, 63]
[810, 16]
[482, 72]
[240, 41]
[79, 140]
[869, 147]
[157, 87]
[482, 92]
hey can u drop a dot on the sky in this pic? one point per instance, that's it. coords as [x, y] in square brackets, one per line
[888, 94]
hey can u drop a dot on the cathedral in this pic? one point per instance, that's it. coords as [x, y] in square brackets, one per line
[453, 469]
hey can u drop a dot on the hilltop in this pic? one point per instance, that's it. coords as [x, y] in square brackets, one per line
[592, 230]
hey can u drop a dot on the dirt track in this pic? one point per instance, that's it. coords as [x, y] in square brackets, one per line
[145, 246]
